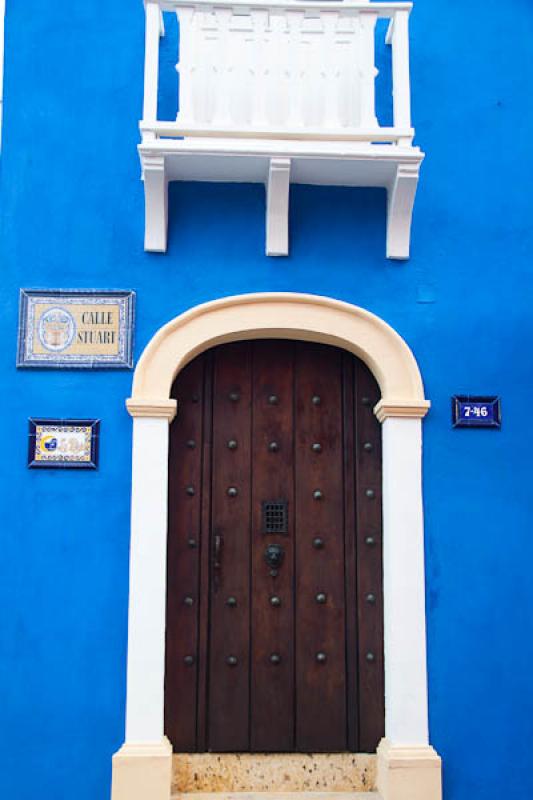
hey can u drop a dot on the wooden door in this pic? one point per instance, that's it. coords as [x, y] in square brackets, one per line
[274, 596]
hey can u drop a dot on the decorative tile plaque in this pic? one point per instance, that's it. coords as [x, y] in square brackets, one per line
[64, 443]
[76, 329]
[475, 411]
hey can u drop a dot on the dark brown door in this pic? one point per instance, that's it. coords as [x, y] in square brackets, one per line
[274, 597]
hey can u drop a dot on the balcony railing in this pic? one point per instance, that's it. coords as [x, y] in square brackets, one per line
[285, 74]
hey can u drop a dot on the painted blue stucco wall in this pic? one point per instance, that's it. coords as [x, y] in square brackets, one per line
[71, 215]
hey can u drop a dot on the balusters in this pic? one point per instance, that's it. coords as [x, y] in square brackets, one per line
[367, 25]
[330, 62]
[278, 68]
[205, 58]
[313, 72]
[242, 77]
[260, 66]
[185, 67]
[277, 78]
[295, 18]
[225, 63]
[347, 55]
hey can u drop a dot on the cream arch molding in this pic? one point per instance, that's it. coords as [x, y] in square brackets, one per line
[282, 316]
[408, 767]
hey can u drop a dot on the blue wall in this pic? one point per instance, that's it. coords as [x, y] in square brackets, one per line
[72, 216]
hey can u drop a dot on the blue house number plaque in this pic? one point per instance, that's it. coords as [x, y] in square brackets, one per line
[476, 412]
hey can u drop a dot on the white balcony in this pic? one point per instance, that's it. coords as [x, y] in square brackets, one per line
[278, 93]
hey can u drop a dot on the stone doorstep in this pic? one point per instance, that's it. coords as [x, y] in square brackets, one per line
[276, 796]
[344, 776]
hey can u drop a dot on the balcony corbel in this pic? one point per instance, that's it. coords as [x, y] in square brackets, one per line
[277, 207]
[155, 203]
[400, 201]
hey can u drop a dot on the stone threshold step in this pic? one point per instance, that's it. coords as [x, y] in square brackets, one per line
[276, 796]
[275, 775]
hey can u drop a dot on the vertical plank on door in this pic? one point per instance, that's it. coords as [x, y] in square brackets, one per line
[352, 695]
[369, 561]
[185, 482]
[272, 629]
[320, 627]
[205, 552]
[228, 715]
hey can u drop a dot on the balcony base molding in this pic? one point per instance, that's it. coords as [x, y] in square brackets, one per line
[408, 772]
[277, 164]
[142, 771]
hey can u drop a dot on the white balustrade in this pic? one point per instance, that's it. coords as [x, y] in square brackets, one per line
[280, 92]
[279, 69]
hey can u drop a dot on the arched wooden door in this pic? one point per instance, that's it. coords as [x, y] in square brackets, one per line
[274, 599]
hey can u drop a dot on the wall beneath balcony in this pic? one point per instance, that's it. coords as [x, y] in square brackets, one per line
[72, 216]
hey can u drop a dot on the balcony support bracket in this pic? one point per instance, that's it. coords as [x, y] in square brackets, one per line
[401, 198]
[277, 207]
[156, 202]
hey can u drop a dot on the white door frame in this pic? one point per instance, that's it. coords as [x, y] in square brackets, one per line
[408, 768]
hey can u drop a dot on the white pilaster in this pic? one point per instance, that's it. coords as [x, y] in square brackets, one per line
[143, 765]
[403, 581]
[146, 625]
[408, 767]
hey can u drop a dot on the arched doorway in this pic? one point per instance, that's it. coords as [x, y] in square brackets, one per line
[274, 635]
[407, 765]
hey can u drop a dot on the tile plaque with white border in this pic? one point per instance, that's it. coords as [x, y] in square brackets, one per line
[63, 443]
[76, 329]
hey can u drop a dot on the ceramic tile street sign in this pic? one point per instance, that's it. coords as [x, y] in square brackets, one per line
[63, 443]
[76, 329]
